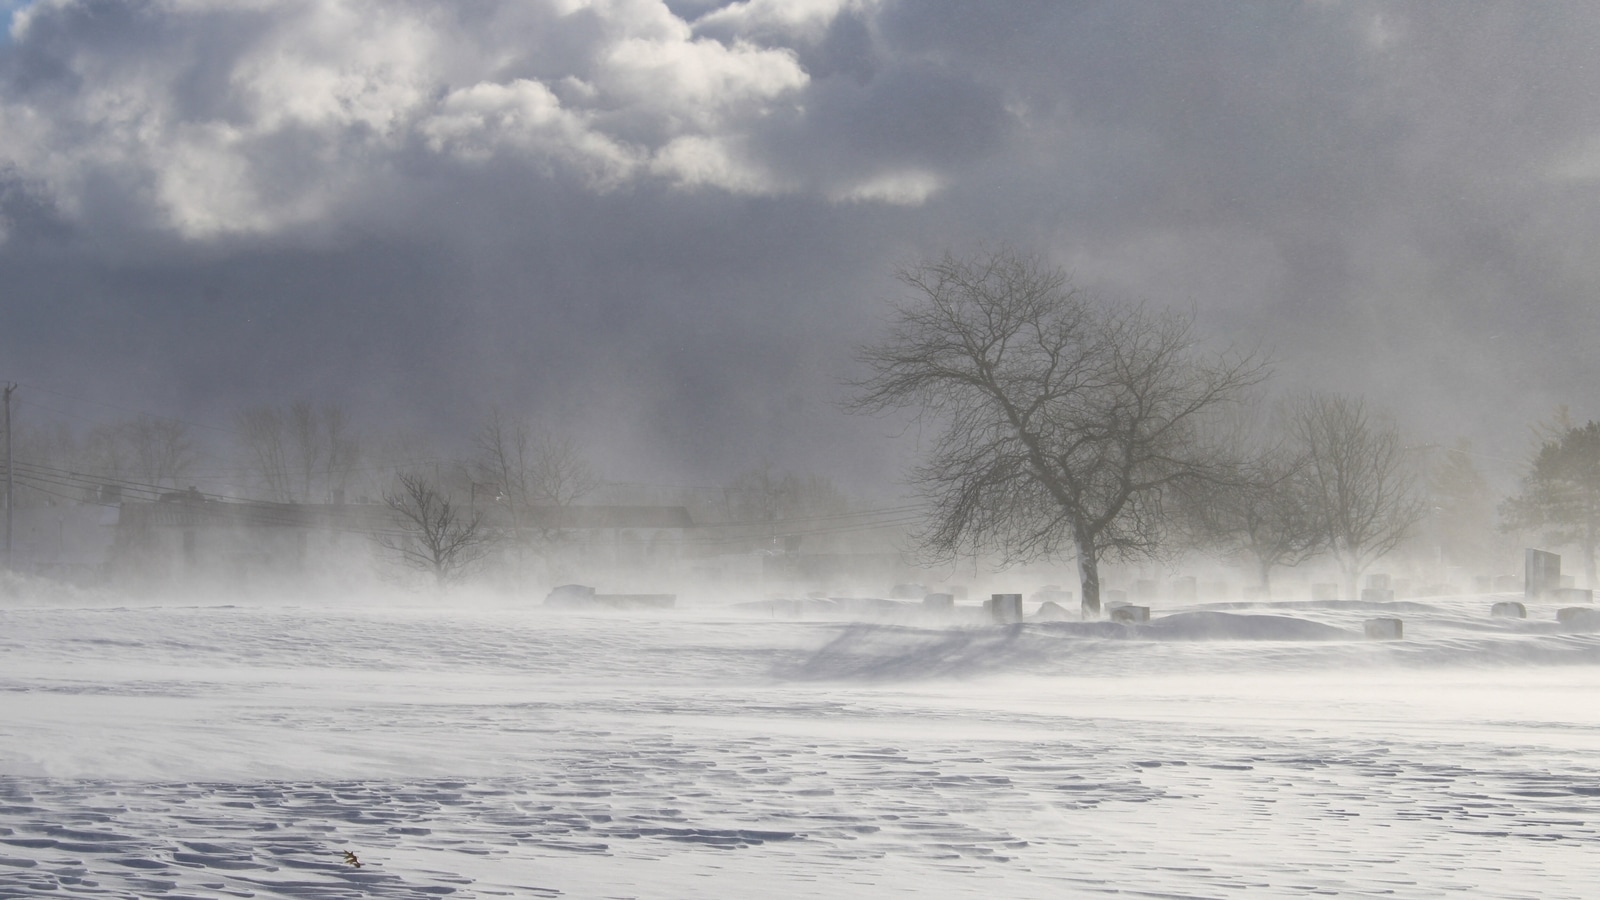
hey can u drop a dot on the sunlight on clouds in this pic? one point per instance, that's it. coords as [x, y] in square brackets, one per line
[806, 18]
[303, 103]
[698, 83]
[910, 187]
[206, 186]
[699, 161]
[481, 121]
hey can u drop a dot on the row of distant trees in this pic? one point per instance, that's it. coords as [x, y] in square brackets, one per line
[1071, 426]
[493, 507]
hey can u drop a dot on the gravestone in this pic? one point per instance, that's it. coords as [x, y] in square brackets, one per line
[939, 602]
[1541, 573]
[1323, 592]
[1572, 595]
[1579, 618]
[1005, 608]
[1131, 614]
[1051, 611]
[1509, 609]
[1384, 629]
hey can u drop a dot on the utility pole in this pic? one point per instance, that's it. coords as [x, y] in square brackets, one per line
[10, 482]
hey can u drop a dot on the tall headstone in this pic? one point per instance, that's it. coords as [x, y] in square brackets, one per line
[1541, 573]
[1005, 608]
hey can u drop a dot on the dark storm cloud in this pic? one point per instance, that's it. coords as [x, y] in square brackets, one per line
[670, 224]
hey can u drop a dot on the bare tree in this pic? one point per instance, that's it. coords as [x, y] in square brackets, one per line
[262, 431]
[768, 499]
[1066, 421]
[1361, 481]
[301, 452]
[535, 476]
[153, 453]
[561, 474]
[430, 532]
[162, 452]
[1264, 512]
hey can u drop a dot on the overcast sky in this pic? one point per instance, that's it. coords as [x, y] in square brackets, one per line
[667, 225]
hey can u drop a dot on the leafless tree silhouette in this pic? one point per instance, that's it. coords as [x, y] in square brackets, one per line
[1360, 477]
[430, 533]
[1065, 421]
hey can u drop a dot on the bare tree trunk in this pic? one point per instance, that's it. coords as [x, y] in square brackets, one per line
[1352, 575]
[1088, 576]
[1266, 582]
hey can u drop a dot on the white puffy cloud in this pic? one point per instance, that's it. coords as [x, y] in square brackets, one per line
[804, 19]
[225, 117]
[906, 187]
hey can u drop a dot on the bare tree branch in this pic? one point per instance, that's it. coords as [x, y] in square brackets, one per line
[1065, 421]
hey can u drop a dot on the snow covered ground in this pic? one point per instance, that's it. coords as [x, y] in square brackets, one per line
[227, 751]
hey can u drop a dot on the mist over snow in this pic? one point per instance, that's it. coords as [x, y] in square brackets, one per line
[434, 475]
[671, 223]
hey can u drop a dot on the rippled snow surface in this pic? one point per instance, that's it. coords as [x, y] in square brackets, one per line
[1217, 752]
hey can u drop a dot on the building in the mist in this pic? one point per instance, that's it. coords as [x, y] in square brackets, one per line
[186, 539]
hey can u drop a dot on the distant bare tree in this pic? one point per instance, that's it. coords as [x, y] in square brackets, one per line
[149, 453]
[1067, 421]
[163, 453]
[777, 502]
[430, 532]
[1263, 512]
[299, 453]
[504, 461]
[530, 469]
[262, 431]
[1360, 479]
